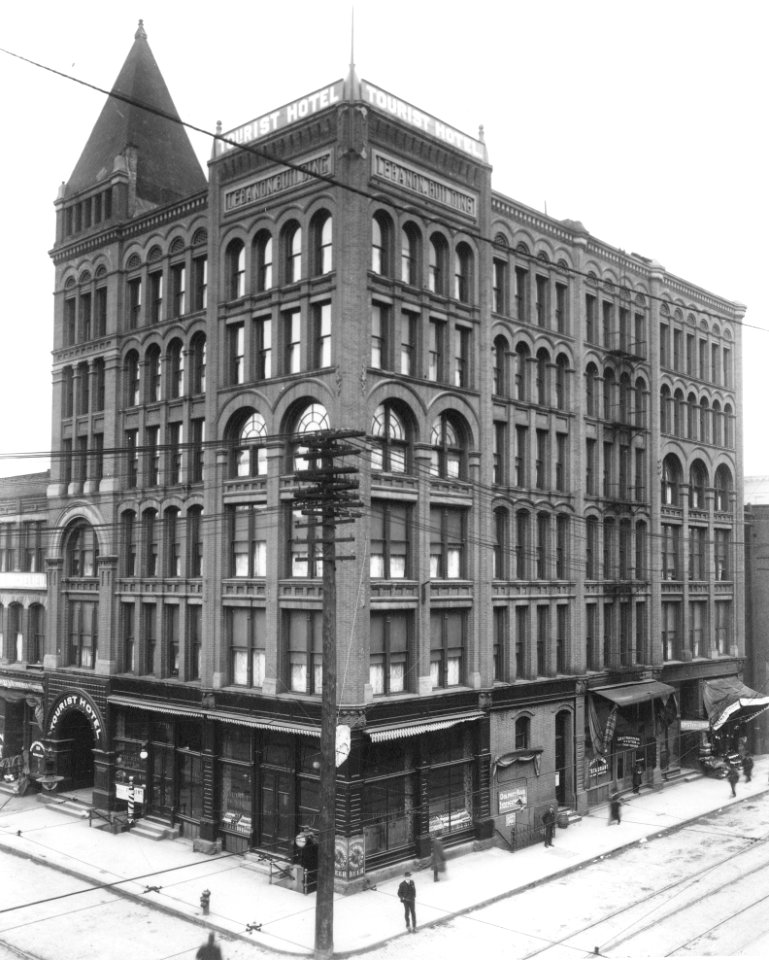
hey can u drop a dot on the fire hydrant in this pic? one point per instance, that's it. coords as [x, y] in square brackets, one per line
[205, 901]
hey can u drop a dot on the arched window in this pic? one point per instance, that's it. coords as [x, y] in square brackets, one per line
[447, 457]
[390, 451]
[321, 239]
[198, 364]
[698, 481]
[671, 481]
[561, 383]
[522, 733]
[463, 263]
[150, 543]
[81, 550]
[438, 264]
[692, 411]
[154, 365]
[251, 452]
[235, 267]
[263, 261]
[410, 252]
[132, 379]
[522, 386]
[175, 367]
[381, 244]
[312, 419]
[723, 490]
[543, 378]
[292, 252]
[172, 546]
[728, 426]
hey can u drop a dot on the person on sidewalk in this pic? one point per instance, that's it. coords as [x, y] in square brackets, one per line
[209, 950]
[615, 809]
[439, 857]
[747, 766]
[548, 818]
[733, 777]
[637, 778]
[407, 894]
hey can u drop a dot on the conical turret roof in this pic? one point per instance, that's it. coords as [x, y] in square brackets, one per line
[167, 168]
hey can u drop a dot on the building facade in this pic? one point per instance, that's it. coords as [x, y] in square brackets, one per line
[546, 570]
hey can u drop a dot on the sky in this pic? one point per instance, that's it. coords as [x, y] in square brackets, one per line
[645, 121]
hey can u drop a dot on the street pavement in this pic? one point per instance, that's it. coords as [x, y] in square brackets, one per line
[170, 876]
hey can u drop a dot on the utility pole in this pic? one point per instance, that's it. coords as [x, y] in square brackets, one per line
[330, 498]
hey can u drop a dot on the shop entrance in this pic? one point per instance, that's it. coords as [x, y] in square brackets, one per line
[562, 777]
[161, 779]
[278, 817]
[74, 747]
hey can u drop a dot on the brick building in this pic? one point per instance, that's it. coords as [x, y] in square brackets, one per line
[548, 567]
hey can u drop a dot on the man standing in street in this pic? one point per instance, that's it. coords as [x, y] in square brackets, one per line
[209, 951]
[407, 894]
[548, 818]
[733, 777]
[439, 857]
[747, 766]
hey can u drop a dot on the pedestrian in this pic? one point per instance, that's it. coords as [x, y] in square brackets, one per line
[407, 894]
[548, 818]
[637, 778]
[209, 951]
[615, 809]
[439, 857]
[664, 762]
[733, 777]
[747, 766]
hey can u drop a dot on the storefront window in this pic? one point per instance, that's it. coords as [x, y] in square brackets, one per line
[190, 785]
[451, 798]
[388, 814]
[235, 798]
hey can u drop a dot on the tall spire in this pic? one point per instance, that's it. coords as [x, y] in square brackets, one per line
[140, 120]
[352, 83]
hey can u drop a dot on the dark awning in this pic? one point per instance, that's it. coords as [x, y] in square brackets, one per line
[727, 698]
[624, 694]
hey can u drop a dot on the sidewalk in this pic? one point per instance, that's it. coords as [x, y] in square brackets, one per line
[283, 921]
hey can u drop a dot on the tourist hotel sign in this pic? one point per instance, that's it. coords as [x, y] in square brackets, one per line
[75, 701]
[329, 96]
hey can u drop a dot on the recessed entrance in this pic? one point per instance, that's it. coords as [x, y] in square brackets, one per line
[74, 747]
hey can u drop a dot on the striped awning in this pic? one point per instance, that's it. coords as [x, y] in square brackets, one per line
[397, 731]
[266, 723]
[154, 706]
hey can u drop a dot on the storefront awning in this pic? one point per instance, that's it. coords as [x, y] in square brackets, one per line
[396, 731]
[623, 694]
[727, 698]
[171, 709]
[264, 723]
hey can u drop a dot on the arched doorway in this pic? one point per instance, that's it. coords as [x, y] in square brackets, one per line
[563, 778]
[75, 744]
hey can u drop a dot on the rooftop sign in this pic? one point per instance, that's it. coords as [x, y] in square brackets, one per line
[326, 97]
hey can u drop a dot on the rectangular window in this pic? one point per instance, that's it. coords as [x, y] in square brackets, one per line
[562, 547]
[246, 634]
[83, 633]
[678, 350]
[521, 642]
[542, 460]
[542, 297]
[134, 303]
[624, 330]
[171, 639]
[671, 541]
[543, 640]
[641, 633]
[543, 546]
[639, 335]
[132, 458]
[156, 297]
[664, 345]
[194, 641]
[608, 470]
[499, 452]
[306, 546]
[721, 555]
[389, 652]
[561, 638]
[408, 343]
[461, 357]
[560, 462]
[726, 359]
[197, 449]
[172, 545]
[128, 627]
[436, 351]
[561, 308]
[174, 453]
[723, 631]
[179, 289]
[671, 620]
[321, 317]
[236, 352]
[379, 318]
[591, 637]
[521, 455]
[390, 526]
[292, 342]
[697, 634]
[85, 317]
[263, 347]
[500, 643]
[521, 294]
[70, 321]
[305, 651]
[447, 646]
[447, 543]
[248, 536]
[591, 486]
[200, 283]
[697, 547]
[703, 359]
[607, 318]
[590, 318]
[499, 287]
[149, 636]
[152, 456]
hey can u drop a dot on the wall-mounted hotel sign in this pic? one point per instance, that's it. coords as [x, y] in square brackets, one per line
[427, 185]
[261, 189]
